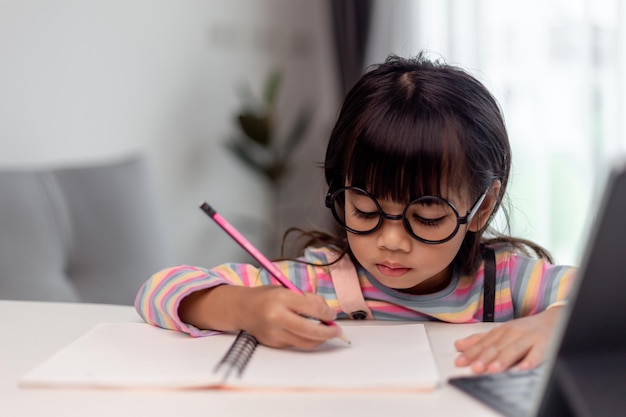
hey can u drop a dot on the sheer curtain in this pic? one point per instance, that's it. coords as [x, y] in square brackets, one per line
[557, 69]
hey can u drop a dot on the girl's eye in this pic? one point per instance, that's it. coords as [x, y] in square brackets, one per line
[430, 212]
[423, 221]
[364, 214]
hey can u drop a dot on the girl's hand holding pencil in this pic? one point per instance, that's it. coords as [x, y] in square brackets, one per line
[272, 314]
[276, 316]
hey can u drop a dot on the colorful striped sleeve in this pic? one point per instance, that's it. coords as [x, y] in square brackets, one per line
[537, 285]
[158, 300]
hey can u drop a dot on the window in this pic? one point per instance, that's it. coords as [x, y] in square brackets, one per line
[556, 67]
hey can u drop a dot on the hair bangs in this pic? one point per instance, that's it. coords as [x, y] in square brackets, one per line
[417, 156]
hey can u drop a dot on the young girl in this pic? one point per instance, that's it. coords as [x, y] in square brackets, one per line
[417, 165]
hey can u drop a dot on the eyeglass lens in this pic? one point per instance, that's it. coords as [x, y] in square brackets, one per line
[430, 218]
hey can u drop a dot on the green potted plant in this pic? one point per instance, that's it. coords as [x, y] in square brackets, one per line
[257, 142]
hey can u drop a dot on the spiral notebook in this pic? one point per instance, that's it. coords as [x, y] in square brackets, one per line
[137, 355]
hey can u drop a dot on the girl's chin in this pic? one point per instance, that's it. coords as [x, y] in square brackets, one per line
[396, 284]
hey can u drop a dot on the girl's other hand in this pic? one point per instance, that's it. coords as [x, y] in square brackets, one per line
[277, 317]
[521, 342]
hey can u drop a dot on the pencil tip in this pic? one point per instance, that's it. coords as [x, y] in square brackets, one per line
[345, 339]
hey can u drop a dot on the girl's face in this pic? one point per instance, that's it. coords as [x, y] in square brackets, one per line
[399, 261]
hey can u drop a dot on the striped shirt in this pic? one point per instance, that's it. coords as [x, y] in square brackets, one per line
[524, 286]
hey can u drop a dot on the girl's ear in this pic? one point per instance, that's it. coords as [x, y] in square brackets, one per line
[482, 215]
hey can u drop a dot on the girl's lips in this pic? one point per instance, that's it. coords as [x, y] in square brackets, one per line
[392, 271]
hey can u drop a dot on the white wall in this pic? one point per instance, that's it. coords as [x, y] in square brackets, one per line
[88, 80]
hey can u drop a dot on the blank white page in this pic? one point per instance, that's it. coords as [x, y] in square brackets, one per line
[379, 357]
[137, 355]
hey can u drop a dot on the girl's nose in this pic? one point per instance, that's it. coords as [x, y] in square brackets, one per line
[393, 236]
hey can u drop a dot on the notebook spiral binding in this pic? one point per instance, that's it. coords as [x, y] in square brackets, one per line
[238, 355]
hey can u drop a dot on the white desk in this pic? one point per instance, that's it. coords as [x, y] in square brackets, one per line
[31, 331]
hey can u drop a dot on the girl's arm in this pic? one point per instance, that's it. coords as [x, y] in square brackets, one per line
[538, 292]
[274, 315]
[232, 297]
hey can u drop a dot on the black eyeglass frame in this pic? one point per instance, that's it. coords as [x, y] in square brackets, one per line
[330, 203]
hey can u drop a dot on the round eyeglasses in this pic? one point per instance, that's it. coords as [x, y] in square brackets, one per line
[429, 219]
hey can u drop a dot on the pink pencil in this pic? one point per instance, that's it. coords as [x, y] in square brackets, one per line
[256, 254]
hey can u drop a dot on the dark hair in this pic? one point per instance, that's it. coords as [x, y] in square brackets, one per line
[411, 126]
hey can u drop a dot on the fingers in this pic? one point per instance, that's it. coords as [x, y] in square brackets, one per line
[534, 358]
[498, 357]
[482, 352]
[467, 342]
[314, 308]
[282, 318]
[303, 333]
[522, 343]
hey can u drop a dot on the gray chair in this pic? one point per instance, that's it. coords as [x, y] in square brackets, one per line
[84, 234]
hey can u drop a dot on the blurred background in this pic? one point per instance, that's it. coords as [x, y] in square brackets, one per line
[203, 89]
